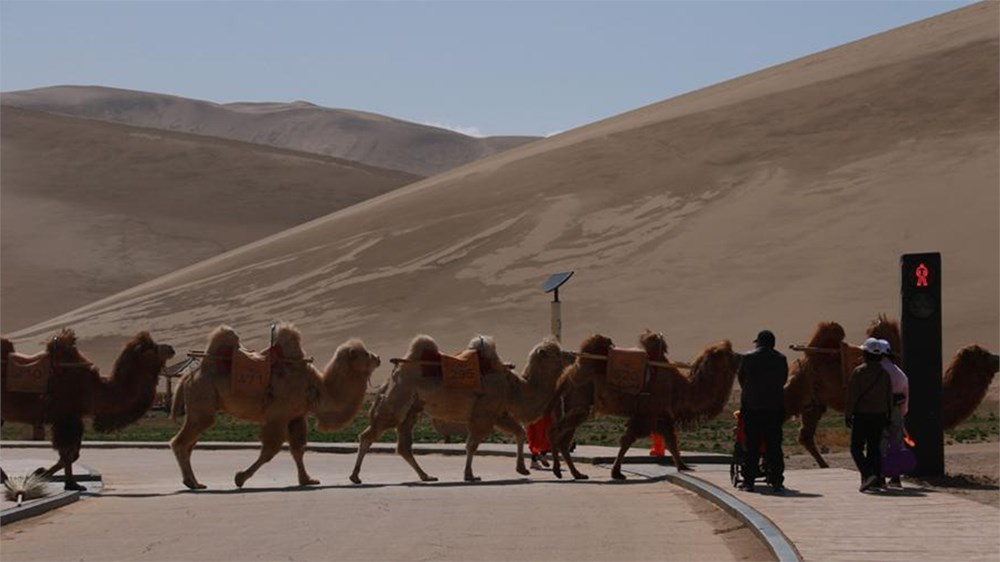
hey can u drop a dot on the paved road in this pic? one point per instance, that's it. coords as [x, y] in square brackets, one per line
[144, 515]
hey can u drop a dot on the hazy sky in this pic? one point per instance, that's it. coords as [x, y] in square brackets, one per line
[478, 67]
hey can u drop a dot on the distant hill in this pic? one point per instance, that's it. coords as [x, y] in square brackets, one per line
[369, 138]
[776, 200]
[92, 208]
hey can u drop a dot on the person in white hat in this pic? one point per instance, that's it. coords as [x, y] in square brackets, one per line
[866, 412]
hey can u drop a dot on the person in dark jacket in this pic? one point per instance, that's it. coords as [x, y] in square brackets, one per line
[762, 375]
[866, 412]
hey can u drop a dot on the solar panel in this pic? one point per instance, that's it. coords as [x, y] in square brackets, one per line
[555, 280]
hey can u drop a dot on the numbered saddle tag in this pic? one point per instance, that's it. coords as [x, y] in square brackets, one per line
[627, 370]
[251, 373]
[461, 372]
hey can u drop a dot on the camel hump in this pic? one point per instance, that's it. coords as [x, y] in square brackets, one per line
[421, 346]
[223, 336]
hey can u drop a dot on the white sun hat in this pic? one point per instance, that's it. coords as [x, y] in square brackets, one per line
[872, 346]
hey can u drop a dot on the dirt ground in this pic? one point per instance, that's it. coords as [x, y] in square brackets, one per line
[972, 470]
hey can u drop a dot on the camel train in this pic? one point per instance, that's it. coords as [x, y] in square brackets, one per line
[279, 387]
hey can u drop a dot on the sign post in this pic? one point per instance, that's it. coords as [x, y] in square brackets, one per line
[922, 357]
[552, 285]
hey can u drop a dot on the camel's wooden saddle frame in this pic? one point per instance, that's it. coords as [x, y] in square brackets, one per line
[630, 370]
[850, 357]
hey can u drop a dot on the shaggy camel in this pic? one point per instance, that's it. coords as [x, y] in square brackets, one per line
[816, 381]
[505, 400]
[295, 389]
[75, 390]
[669, 398]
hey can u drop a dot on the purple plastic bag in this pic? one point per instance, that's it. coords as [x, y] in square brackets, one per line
[898, 459]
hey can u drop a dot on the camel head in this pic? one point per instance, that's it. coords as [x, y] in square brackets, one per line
[136, 373]
[888, 330]
[597, 344]
[353, 359]
[655, 345]
[221, 338]
[288, 339]
[974, 361]
[62, 348]
[486, 347]
[142, 351]
[717, 358]
[548, 360]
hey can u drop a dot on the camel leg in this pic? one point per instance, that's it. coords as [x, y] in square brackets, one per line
[183, 444]
[665, 427]
[272, 435]
[509, 425]
[404, 442]
[561, 435]
[67, 434]
[625, 443]
[478, 431]
[811, 415]
[297, 439]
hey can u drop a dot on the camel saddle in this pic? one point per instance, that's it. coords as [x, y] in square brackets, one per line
[462, 371]
[251, 372]
[627, 370]
[28, 373]
[850, 357]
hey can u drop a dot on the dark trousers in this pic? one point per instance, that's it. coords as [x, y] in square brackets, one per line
[764, 425]
[866, 434]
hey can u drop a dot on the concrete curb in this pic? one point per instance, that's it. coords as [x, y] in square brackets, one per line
[48, 503]
[486, 449]
[765, 529]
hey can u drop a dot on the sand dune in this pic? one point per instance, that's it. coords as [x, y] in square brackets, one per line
[776, 200]
[364, 137]
[92, 208]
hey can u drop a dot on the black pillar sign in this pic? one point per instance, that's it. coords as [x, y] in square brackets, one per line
[922, 357]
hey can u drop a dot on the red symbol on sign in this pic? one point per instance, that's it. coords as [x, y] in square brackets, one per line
[922, 274]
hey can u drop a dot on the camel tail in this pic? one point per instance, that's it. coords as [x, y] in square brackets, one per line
[177, 405]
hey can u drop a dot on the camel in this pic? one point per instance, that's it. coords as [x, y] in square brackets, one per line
[295, 388]
[669, 398]
[75, 390]
[816, 381]
[505, 400]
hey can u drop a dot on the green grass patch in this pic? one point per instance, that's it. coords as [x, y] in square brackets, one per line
[715, 435]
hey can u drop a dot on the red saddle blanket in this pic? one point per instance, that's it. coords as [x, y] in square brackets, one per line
[28, 373]
[463, 370]
[627, 370]
[251, 372]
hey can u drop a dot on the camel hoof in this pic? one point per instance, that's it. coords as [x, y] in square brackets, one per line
[240, 479]
[355, 478]
[683, 466]
[617, 475]
[557, 472]
[194, 485]
[308, 482]
[473, 479]
[581, 476]
[428, 478]
[522, 470]
[71, 485]
[40, 471]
